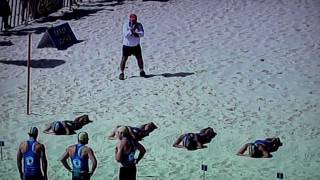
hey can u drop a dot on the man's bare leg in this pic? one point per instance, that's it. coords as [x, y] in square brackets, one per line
[140, 64]
[122, 67]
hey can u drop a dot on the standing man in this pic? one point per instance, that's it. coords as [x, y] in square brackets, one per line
[132, 32]
[32, 152]
[125, 151]
[80, 155]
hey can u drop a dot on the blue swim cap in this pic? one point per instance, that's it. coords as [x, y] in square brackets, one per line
[57, 126]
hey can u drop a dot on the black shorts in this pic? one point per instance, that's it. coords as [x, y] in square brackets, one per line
[134, 50]
[128, 173]
[31, 177]
[83, 176]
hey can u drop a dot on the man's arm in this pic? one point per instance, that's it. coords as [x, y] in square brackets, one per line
[131, 133]
[126, 30]
[142, 151]
[44, 161]
[205, 129]
[66, 128]
[199, 144]
[265, 153]
[243, 149]
[119, 151]
[112, 136]
[64, 158]
[19, 163]
[93, 159]
[143, 126]
[69, 130]
[178, 141]
[139, 30]
[47, 129]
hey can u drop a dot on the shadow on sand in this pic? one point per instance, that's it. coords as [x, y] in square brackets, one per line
[67, 16]
[6, 43]
[120, 2]
[40, 63]
[157, 0]
[168, 75]
[25, 31]
[97, 5]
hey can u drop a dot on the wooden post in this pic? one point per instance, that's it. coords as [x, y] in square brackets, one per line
[1, 145]
[204, 168]
[279, 175]
[28, 76]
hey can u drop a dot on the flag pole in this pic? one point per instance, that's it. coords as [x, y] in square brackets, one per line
[29, 74]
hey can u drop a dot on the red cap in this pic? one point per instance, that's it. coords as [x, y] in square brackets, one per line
[133, 17]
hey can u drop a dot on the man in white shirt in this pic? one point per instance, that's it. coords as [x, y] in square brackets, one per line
[132, 32]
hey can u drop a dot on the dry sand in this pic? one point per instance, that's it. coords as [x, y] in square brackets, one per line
[250, 69]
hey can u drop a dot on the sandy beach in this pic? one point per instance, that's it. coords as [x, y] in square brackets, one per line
[250, 69]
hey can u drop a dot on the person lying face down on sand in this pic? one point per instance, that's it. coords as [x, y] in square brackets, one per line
[193, 141]
[67, 127]
[261, 148]
[136, 133]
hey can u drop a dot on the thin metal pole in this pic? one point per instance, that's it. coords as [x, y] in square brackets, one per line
[28, 77]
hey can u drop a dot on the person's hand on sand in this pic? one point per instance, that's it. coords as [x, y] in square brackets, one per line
[201, 146]
[204, 146]
[239, 154]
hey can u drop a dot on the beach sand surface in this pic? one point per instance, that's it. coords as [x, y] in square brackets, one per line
[250, 69]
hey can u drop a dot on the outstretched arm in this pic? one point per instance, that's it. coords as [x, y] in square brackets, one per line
[178, 141]
[48, 129]
[243, 149]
